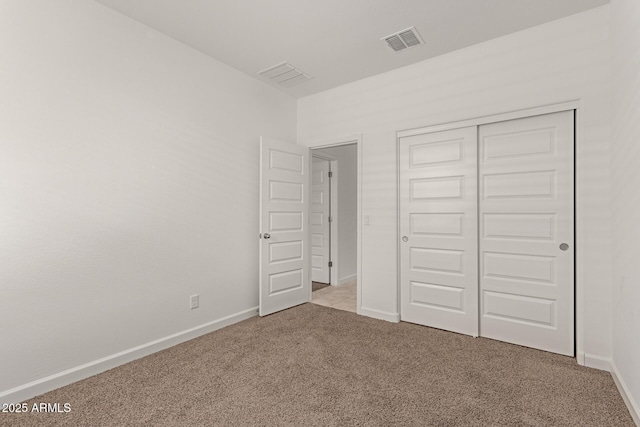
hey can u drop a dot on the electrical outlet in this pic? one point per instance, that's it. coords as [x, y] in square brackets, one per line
[194, 301]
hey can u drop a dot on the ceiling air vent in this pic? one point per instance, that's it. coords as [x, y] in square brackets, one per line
[403, 39]
[284, 74]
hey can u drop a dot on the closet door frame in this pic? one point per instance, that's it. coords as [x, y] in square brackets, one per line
[574, 106]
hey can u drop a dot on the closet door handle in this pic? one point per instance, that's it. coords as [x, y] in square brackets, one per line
[564, 246]
[405, 239]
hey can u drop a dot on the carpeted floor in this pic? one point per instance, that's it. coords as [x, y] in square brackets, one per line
[313, 365]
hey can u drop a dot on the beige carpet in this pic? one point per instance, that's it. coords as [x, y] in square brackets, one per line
[314, 365]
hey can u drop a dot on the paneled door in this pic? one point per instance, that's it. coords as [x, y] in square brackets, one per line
[320, 217]
[438, 230]
[284, 218]
[527, 232]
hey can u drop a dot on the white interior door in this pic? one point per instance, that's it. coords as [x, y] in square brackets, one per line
[527, 232]
[320, 217]
[438, 230]
[284, 218]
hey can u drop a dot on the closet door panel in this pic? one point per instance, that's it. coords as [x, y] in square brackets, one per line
[438, 230]
[526, 188]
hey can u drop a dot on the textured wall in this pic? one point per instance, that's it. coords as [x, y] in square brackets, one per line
[129, 181]
[625, 167]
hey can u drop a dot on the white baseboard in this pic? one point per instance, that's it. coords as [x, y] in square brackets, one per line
[593, 361]
[377, 314]
[632, 405]
[52, 382]
[347, 279]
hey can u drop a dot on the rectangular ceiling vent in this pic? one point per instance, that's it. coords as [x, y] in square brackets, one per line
[284, 74]
[404, 39]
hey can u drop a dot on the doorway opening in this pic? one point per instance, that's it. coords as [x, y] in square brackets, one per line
[285, 232]
[334, 226]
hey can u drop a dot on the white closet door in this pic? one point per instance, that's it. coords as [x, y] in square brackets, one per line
[320, 212]
[438, 230]
[527, 232]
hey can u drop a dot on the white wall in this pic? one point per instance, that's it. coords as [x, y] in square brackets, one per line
[552, 63]
[129, 181]
[347, 157]
[625, 166]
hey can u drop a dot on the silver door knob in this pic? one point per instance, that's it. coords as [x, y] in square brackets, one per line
[266, 235]
[405, 239]
[564, 246]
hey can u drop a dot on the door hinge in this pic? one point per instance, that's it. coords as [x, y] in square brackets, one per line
[330, 263]
[330, 174]
[330, 219]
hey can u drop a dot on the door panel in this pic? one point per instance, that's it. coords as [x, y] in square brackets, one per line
[320, 211]
[438, 217]
[526, 212]
[284, 213]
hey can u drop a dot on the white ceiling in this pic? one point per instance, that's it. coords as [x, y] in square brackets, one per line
[336, 41]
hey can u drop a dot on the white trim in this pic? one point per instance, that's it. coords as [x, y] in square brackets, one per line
[580, 230]
[335, 223]
[594, 361]
[381, 315]
[632, 405]
[398, 232]
[333, 142]
[347, 279]
[307, 251]
[61, 379]
[501, 117]
[360, 278]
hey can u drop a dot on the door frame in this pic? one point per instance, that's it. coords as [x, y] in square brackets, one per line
[333, 209]
[580, 261]
[334, 142]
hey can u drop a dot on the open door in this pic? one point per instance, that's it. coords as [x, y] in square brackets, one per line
[320, 219]
[284, 226]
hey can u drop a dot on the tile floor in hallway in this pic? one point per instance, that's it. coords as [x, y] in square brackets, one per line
[340, 297]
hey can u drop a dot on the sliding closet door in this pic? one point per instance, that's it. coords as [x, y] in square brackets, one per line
[438, 230]
[527, 232]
